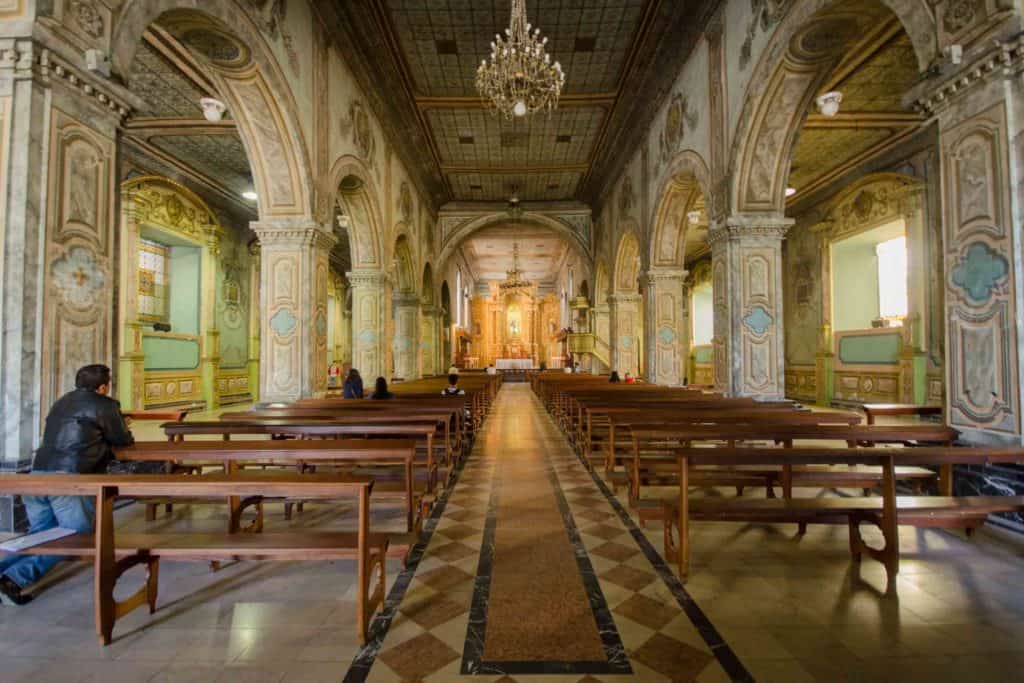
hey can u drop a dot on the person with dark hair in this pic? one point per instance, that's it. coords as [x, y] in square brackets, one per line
[453, 387]
[81, 430]
[614, 377]
[380, 390]
[353, 387]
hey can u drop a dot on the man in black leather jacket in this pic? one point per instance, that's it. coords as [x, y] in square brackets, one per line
[82, 428]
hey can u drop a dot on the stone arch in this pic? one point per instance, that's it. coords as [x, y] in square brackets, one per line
[602, 284]
[254, 88]
[800, 55]
[466, 229]
[684, 189]
[627, 264]
[358, 198]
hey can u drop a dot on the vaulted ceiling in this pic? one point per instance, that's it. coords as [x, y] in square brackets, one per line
[876, 71]
[418, 60]
[542, 253]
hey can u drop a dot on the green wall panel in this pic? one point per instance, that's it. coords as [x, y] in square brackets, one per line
[703, 354]
[164, 353]
[873, 349]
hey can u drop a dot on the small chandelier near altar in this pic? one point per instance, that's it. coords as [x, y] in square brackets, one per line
[514, 283]
[519, 79]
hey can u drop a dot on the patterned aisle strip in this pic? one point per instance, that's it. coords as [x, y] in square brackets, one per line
[428, 609]
[568, 614]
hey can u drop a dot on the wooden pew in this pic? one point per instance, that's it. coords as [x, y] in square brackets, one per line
[874, 410]
[231, 456]
[886, 511]
[653, 458]
[113, 553]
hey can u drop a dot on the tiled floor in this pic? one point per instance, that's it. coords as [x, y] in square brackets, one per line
[760, 600]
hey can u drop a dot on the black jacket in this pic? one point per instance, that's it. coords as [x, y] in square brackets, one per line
[81, 430]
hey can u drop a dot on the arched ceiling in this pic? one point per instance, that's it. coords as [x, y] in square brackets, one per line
[417, 59]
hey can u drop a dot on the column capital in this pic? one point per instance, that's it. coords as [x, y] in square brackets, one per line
[366, 278]
[654, 275]
[291, 233]
[624, 298]
[750, 226]
[405, 300]
[988, 60]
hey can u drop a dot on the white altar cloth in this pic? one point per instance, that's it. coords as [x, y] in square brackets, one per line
[514, 363]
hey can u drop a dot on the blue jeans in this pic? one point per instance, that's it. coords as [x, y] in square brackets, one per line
[47, 512]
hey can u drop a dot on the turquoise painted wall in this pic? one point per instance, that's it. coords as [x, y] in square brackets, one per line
[855, 290]
[184, 295]
[164, 353]
[871, 349]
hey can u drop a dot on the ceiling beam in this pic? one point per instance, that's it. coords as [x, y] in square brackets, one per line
[511, 170]
[178, 55]
[862, 51]
[864, 120]
[158, 126]
[567, 101]
[862, 158]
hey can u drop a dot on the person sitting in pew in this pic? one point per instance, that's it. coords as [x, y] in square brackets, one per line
[614, 377]
[630, 379]
[81, 430]
[380, 390]
[453, 387]
[353, 387]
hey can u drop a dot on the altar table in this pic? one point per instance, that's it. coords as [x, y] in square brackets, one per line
[514, 363]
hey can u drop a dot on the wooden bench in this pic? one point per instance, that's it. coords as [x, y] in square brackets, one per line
[886, 511]
[652, 460]
[874, 410]
[233, 456]
[114, 554]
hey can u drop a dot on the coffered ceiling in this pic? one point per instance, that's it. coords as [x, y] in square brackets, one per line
[170, 127]
[878, 68]
[541, 253]
[417, 60]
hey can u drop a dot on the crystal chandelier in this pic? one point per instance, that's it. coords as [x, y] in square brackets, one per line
[519, 79]
[514, 283]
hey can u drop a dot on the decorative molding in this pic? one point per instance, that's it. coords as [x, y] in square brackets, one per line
[1006, 58]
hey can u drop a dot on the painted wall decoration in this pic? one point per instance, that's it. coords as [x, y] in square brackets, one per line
[359, 126]
[982, 372]
[79, 242]
[679, 117]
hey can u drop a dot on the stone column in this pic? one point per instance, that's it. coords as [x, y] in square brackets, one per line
[131, 360]
[666, 330]
[746, 272]
[601, 322]
[369, 308]
[430, 341]
[914, 358]
[254, 322]
[210, 276]
[406, 309]
[624, 309]
[979, 106]
[293, 297]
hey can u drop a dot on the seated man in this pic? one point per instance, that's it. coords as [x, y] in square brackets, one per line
[81, 430]
[453, 387]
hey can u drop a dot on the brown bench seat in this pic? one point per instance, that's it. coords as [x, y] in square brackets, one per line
[115, 553]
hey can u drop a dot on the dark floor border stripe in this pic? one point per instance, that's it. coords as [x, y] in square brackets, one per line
[723, 653]
[359, 670]
[473, 663]
[476, 629]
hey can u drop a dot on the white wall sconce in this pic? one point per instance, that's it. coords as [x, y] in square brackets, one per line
[828, 104]
[790, 191]
[213, 109]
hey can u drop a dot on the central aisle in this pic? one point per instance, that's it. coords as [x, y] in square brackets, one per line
[531, 573]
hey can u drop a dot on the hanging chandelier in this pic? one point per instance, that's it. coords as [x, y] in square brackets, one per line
[514, 282]
[519, 79]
